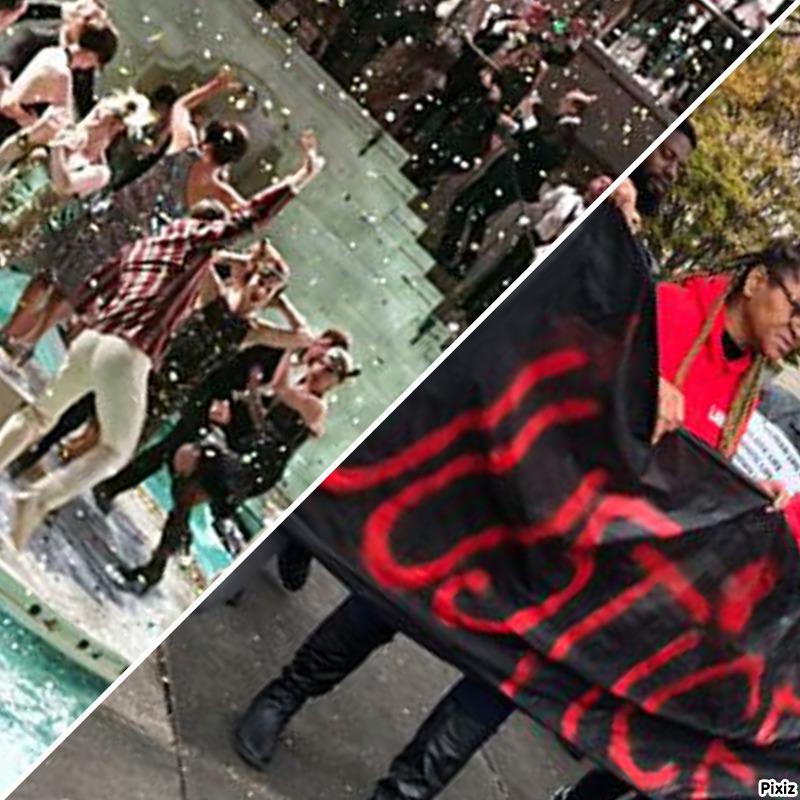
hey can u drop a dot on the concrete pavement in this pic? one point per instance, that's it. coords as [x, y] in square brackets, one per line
[165, 734]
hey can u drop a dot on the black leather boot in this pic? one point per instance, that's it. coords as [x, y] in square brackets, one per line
[442, 746]
[335, 649]
[294, 566]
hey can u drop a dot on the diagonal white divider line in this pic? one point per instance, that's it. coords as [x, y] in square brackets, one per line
[255, 544]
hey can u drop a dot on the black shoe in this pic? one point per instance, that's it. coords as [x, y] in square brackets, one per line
[294, 567]
[441, 748]
[19, 467]
[103, 500]
[339, 645]
[257, 734]
[135, 581]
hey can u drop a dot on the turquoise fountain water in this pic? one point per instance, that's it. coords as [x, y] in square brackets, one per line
[41, 693]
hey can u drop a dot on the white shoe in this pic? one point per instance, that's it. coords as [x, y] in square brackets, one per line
[28, 517]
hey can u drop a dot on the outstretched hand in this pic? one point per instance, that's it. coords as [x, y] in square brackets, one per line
[625, 198]
[671, 410]
[780, 495]
[310, 146]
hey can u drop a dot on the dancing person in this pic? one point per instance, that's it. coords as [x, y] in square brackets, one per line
[47, 80]
[185, 384]
[488, 33]
[69, 21]
[559, 207]
[130, 157]
[182, 170]
[227, 313]
[244, 449]
[74, 166]
[517, 175]
[487, 109]
[225, 382]
[130, 308]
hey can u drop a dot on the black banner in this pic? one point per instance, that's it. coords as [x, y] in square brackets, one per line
[642, 604]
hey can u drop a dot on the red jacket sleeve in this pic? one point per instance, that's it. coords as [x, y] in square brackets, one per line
[792, 515]
[677, 323]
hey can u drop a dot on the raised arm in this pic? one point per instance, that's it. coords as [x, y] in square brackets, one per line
[291, 314]
[312, 166]
[184, 132]
[312, 409]
[268, 203]
[268, 334]
[39, 82]
[224, 80]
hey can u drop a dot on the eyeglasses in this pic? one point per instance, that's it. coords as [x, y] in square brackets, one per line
[794, 302]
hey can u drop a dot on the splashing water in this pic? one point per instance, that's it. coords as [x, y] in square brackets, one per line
[41, 694]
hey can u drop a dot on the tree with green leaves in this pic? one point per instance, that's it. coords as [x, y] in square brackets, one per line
[743, 184]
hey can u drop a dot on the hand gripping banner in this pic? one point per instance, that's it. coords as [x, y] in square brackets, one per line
[640, 603]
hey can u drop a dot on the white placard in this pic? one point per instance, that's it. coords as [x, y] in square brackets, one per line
[766, 453]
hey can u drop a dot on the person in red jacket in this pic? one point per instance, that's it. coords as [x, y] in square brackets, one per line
[716, 337]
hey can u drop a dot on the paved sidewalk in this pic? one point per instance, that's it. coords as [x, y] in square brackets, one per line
[164, 734]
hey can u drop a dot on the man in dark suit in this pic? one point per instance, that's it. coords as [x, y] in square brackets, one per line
[518, 174]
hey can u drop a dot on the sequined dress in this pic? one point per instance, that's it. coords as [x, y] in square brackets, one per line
[27, 198]
[86, 233]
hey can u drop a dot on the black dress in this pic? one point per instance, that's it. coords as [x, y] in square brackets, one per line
[239, 463]
[208, 339]
[469, 131]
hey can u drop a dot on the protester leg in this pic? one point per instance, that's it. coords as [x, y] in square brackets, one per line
[334, 650]
[294, 566]
[597, 784]
[469, 715]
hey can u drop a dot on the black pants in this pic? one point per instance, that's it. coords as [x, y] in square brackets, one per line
[485, 291]
[347, 637]
[601, 785]
[73, 418]
[489, 194]
[153, 458]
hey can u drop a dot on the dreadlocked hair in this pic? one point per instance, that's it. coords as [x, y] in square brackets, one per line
[780, 257]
